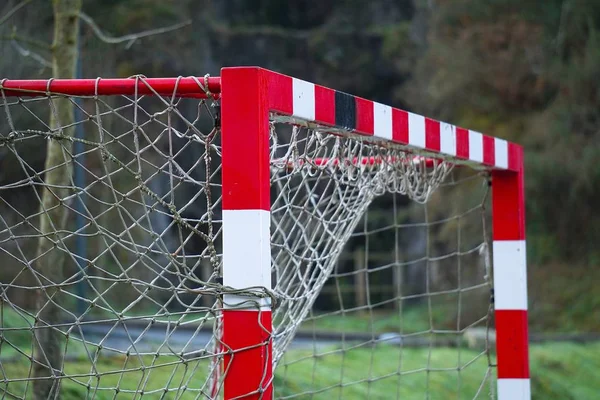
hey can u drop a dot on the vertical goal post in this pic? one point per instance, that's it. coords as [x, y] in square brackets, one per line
[250, 97]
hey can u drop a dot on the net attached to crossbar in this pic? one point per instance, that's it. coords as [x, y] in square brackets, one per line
[324, 182]
[112, 256]
[381, 267]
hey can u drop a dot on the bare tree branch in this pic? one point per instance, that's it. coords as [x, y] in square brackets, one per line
[31, 54]
[560, 34]
[131, 38]
[13, 10]
[26, 40]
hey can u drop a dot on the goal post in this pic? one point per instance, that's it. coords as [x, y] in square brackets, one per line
[221, 211]
[247, 321]
[254, 93]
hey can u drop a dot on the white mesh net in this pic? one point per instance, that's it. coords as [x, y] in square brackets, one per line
[111, 257]
[324, 183]
[109, 246]
[381, 267]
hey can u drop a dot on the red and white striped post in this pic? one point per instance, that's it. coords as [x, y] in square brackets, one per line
[510, 279]
[248, 94]
[246, 206]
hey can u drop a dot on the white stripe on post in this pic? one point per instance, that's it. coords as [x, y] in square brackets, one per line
[510, 275]
[246, 253]
[304, 99]
[382, 124]
[501, 153]
[447, 138]
[514, 389]
[416, 130]
[475, 146]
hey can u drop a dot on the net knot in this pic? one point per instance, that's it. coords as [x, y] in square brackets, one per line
[96, 84]
[204, 85]
[258, 292]
[48, 84]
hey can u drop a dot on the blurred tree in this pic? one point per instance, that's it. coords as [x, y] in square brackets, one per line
[48, 349]
[528, 73]
[51, 259]
[525, 71]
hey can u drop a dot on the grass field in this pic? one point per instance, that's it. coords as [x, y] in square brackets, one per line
[415, 319]
[559, 371]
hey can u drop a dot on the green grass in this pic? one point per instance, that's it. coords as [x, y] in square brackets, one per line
[412, 320]
[384, 373]
[559, 371]
[565, 371]
[152, 375]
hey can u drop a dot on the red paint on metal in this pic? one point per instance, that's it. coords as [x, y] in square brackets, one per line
[512, 344]
[280, 92]
[245, 140]
[432, 134]
[324, 105]
[399, 126]
[370, 161]
[515, 157]
[489, 150]
[462, 143]
[248, 362]
[364, 116]
[508, 205]
[182, 87]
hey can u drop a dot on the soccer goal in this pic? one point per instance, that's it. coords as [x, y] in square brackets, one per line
[254, 236]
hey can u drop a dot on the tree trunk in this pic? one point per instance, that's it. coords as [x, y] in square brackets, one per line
[49, 347]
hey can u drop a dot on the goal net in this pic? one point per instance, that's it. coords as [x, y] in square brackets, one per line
[381, 265]
[111, 246]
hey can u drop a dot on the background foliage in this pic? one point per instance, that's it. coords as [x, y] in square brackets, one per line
[527, 71]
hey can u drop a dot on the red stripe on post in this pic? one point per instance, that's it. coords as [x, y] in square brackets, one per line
[246, 186]
[245, 140]
[489, 150]
[280, 93]
[508, 205]
[508, 210]
[512, 344]
[462, 143]
[248, 362]
[432, 134]
[364, 116]
[324, 105]
[399, 126]
[515, 157]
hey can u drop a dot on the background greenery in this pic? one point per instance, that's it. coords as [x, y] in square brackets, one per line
[523, 70]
